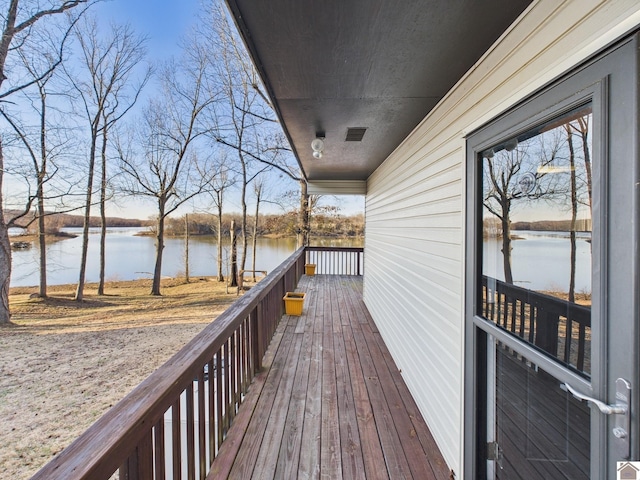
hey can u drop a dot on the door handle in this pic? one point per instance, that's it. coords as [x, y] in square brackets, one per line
[616, 409]
[620, 409]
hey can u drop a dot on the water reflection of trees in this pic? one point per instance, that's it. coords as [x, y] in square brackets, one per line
[545, 171]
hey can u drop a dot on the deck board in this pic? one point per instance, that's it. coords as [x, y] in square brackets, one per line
[268, 456]
[350, 448]
[331, 403]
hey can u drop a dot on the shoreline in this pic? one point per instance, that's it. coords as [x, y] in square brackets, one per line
[91, 288]
[33, 237]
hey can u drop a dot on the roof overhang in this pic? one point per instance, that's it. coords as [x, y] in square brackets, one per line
[379, 65]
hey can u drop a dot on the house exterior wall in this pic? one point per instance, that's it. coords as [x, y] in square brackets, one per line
[414, 281]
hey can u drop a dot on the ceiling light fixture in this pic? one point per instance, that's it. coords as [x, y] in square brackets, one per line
[317, 145]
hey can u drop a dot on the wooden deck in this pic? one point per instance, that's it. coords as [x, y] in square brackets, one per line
[330, 401]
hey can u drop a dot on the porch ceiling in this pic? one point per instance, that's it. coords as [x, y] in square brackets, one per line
[377, 64]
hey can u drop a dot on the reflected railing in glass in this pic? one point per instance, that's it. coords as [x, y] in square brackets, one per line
[557, 327]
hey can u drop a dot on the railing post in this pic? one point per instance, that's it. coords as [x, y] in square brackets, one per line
[547, 332]
[159, 439]
[220, 371]
[258, 336]
[190, 414]
[176, 436]
[139, 465]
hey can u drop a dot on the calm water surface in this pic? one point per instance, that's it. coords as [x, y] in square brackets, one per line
[541, 260]
[131, 257]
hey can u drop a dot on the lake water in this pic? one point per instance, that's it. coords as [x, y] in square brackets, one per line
[541, 260]
[132, 257]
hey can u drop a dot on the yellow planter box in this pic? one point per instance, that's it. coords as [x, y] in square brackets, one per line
[293, 303]
[310, 269]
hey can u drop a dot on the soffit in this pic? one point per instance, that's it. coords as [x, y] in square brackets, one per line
[381, 65]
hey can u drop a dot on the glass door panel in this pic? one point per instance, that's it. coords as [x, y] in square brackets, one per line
[535, 286]
[541, 430]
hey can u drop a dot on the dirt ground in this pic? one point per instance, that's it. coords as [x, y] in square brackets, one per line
[63, 363]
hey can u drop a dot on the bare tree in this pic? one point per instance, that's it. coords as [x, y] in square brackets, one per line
[186, 248]
[258, 191]
[107, 93]
[233, 261]
[44, 143]
[503, 173]
[574, 213]
[307, 206]
[20, 22]
[167, 171]
[241, 98]
[41, 172]
[499, 196]
[249, 125]
[579, 127]
[221, 178]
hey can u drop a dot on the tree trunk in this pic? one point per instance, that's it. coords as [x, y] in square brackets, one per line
[42, 244]
[303, 227]
[157, 271]
[42, 172]
[87, 217]
[574, 215]
[220, 275]
[186, 247]
[5, 255]
[584, 134]
[103, 214]
[233, 281]
[506, 244]
[254, 239]
[243, 226]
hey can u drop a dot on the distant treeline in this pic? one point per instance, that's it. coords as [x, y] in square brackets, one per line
[552, 226]
[56, 221]
[283, 225]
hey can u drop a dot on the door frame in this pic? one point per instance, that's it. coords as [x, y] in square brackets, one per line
[610, 82]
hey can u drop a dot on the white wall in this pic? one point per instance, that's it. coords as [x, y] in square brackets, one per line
[414, 210]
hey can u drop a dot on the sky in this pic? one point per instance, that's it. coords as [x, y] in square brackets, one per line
[164, 22]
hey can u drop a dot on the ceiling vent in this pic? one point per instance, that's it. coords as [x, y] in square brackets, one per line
[355, 134]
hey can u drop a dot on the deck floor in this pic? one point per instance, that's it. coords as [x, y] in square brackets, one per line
[330, 402]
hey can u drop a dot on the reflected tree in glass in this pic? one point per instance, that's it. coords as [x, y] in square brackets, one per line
[515, 171]
[579, 128]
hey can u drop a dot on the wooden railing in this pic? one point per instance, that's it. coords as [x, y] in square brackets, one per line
[173, 423]
[558, 327]
[336, 260]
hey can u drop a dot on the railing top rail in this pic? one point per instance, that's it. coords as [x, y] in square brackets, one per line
[334, 249]
[580, 313]
[111, 438]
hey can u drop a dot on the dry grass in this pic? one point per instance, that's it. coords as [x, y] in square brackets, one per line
[63, 363]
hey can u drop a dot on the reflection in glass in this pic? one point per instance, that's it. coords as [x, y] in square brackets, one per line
[536, 237]
[541, 430]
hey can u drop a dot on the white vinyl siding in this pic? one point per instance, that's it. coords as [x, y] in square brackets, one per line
[414, 205]
[336, 187]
